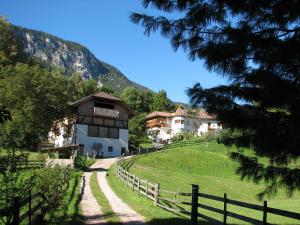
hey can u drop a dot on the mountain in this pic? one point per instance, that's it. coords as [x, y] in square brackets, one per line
[72, 57]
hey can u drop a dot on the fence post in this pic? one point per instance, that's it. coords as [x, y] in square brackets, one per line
[133, 183]
[265, 212]
[29, 207]
[225, 209]
[16, 214]
[194, 213]
[138, 186]
[139, 150]
[156, 193]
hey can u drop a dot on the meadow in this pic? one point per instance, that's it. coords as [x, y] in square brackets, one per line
[208, 165]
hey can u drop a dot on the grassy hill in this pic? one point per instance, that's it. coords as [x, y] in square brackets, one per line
[209, 165]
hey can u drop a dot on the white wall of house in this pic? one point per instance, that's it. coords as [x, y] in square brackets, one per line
[88, 142]
[198, 126]
[164, 134]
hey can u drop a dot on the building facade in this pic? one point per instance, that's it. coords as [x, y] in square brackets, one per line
[100, 124]
[162, 126]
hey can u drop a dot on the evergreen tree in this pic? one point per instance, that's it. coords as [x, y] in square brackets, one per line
[255, 45]
[161, 102]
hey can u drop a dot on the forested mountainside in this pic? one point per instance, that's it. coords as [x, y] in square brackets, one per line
[71, 57]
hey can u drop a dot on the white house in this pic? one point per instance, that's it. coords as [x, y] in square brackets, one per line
[167, 125]
[100, 124]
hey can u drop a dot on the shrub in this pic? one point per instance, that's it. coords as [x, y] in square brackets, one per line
[82, 162]
[52, 184]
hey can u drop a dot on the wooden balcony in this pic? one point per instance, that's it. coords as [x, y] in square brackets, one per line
[156, 123]
[106, 112]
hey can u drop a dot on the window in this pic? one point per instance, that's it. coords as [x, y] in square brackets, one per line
[104, 105]
[98, 121]
[177, 121]
[121, 124]
[93, 131]
[110, 149]
[108, 122]
[103, 132]
[113, 133]
[85, 119]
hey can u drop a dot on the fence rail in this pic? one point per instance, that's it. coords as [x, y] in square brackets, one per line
[175, 204]
[26, 164]
[28, 206]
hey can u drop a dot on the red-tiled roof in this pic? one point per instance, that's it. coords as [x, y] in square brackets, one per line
[181, 112]
[157, 113]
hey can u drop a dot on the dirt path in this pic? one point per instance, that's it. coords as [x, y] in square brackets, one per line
[90, 208]
[126, 214]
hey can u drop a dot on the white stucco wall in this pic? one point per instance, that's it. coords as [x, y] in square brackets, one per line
[88, 142]
[163, 134]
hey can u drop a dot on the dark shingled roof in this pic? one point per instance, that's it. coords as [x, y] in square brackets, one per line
[103, 95]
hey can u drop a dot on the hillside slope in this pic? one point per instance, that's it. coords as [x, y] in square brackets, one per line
[209, 165]
[71, 57]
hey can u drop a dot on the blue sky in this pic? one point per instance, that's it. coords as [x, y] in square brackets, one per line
[103, 26]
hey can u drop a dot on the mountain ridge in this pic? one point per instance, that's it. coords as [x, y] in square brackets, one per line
[72, 57]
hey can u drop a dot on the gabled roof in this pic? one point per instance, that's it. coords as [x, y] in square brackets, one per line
[101, 95]
[104, 96]
[181, 112]
[157, 113]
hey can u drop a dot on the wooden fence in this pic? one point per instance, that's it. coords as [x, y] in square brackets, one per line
[188, 204]
[27, 206]
[22, 164]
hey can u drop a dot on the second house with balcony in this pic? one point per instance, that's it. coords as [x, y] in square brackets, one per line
[100, 124]
[162, 126]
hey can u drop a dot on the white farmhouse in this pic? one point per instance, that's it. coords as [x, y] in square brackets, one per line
[100, 124]
[166, 125]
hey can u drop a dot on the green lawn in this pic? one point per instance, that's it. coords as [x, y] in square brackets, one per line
[193, 162]
[153, 214]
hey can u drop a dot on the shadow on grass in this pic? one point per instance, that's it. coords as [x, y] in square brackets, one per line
[75, 218]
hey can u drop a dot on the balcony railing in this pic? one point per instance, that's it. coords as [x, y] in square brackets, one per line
[106, 112]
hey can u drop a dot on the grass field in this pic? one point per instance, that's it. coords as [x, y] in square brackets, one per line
[193, 162]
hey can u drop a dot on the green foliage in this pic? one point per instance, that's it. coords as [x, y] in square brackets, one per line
[161, 102]
[53, 182]
[35, 98]
[139, 102]
[254, 45]
[83, 163]
[68, 213]
[9, 46]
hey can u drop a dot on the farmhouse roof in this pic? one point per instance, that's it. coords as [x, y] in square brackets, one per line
[104, 96]
[101, 94]
[181, 112]
[157, 113]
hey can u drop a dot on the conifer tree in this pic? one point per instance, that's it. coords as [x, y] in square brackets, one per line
[255, 45]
